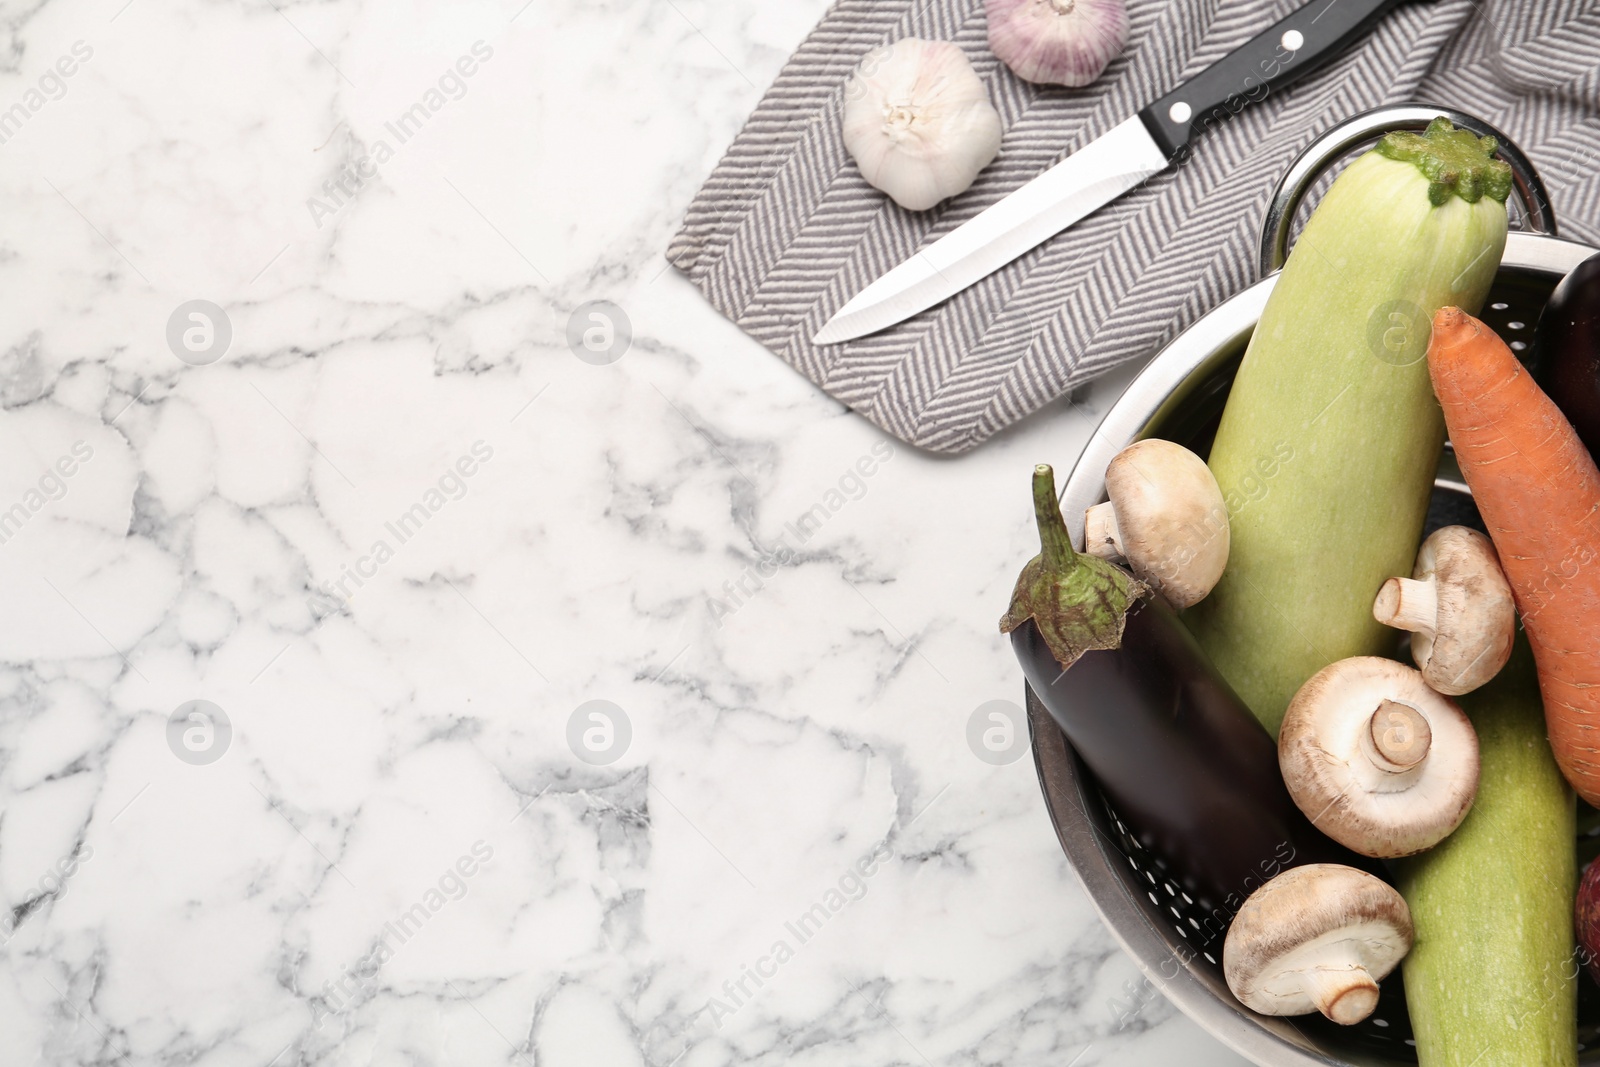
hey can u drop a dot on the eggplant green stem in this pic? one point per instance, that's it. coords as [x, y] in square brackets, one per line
[1055, 542]
[1078, 602]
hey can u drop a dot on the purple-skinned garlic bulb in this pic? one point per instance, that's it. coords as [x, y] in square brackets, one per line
[1057, 42]
[918, 122]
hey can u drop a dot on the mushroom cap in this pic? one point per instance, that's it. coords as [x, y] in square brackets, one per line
[1317, 937]
[1346, 787]
[1172, 519]
[1477, 620]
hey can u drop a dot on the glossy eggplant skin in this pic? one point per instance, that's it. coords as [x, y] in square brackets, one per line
[1192, 773]
[1567, 350]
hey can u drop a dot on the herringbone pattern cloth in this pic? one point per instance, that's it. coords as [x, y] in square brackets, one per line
[785, 230]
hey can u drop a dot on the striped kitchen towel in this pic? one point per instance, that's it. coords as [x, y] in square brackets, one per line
[785, 230]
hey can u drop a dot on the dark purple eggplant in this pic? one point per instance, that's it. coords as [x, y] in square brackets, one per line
[1191, 772]
[1567, 350]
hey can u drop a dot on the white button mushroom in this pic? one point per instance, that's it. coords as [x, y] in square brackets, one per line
[1459, 608]
[1166, 517]
[1316, 938]
[1376, 759]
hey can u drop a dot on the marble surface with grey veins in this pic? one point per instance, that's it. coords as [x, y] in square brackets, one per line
[381, 682]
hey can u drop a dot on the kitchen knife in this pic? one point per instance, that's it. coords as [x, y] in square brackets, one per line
[1105, 168]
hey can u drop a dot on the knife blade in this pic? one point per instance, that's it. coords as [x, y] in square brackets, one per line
[1107, 167]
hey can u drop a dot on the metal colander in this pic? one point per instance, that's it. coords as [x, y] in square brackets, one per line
[1179, 396]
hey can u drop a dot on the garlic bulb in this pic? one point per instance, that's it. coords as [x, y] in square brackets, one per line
[917, 122]
[1057, 42]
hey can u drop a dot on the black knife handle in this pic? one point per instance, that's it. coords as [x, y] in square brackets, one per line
[1318, 32]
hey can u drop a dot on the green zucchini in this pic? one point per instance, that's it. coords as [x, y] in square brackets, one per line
[1492, 978]
[1331, 435]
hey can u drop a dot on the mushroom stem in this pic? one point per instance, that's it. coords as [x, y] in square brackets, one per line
[1101, 537]
[1407, 604]
[1344, 994]
[1400, 735]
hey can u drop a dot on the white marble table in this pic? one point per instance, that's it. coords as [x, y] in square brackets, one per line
[381, 519]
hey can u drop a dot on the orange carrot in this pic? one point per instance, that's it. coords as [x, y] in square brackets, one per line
[1539, 493]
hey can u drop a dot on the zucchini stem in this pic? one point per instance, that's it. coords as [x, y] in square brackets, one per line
[1455, 162]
